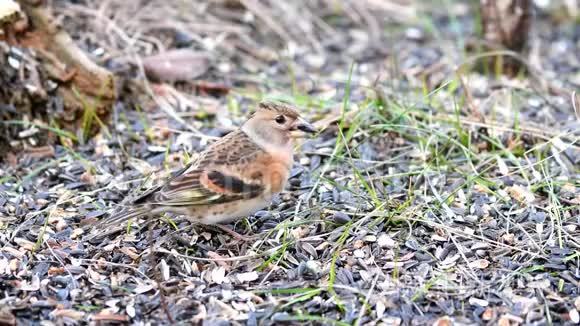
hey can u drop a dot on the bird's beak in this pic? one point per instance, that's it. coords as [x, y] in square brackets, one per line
[303, 126]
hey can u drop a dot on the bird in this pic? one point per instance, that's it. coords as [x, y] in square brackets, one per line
[234, 177]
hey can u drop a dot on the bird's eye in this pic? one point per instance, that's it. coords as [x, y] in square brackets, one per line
[280, 119]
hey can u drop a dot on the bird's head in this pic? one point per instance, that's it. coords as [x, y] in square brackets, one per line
[273, 122]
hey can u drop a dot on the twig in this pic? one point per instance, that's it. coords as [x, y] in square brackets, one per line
[99, 261]
[259, 10]
[575, 104]
[474, 111]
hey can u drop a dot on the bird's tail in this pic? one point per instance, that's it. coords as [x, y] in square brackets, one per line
[115, 222]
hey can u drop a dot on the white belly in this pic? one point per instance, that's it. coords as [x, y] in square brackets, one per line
[225, 213]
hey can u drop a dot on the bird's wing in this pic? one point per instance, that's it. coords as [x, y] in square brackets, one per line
[214, 178]
[140, 197]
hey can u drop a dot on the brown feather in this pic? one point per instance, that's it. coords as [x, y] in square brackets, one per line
[191, 186]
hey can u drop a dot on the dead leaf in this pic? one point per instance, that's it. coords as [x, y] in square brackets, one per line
[88, 178]
[130, 309]
[568, 187]
[503, 168]
[521, 194]
[13, 252]
[574, 316]
[95, 276]
[539, 284]
[176, 65]
[480, 264]
[385, 241]
[53, 270]
[9, 11]
[504, 321]
[130, 251]
[12, 159]
[40, 152]
[437, 237]
[7, 317]
[247, 277]
[487, 314]
[24, 244]
[165, 272]
[407, 256]
[143, 287]
[76, 232]
[443, 321]
[508, 238]
[140, 165]
[32, 286]
[216, 89]
[219, 259]
[105, 315]
[14, 264]
[68, 313]
[478, 302]
[4, 267]
[218, 275]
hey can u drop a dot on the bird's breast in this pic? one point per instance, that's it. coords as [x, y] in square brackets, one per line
[272, 171]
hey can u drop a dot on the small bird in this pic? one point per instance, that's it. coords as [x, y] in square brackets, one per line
[236, 176]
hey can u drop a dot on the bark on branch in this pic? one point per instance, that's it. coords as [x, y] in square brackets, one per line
[82, 85]
[506, 24]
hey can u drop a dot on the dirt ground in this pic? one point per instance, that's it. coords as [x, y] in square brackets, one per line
[438, 191]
